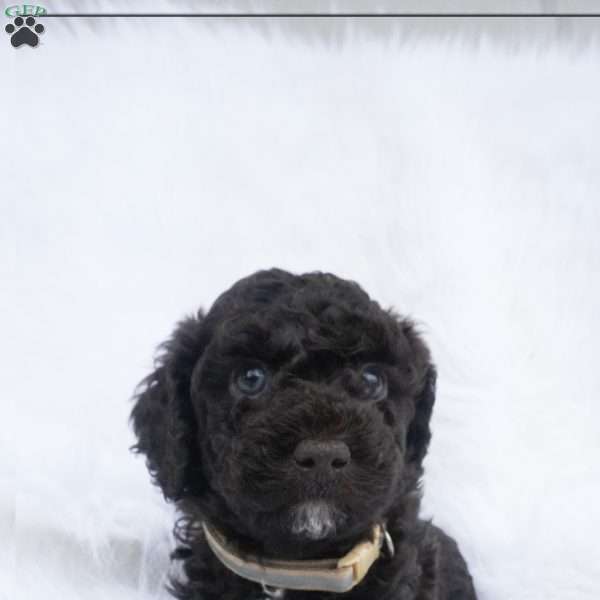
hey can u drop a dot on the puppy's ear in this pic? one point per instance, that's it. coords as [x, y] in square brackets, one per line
[424, 373]
[163, 419]
[419, 433]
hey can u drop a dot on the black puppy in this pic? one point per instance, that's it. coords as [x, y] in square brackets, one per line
[289, 424]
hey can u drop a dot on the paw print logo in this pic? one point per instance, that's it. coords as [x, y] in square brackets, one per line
[24, 32]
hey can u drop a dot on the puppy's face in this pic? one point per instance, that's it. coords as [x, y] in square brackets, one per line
[305, 399]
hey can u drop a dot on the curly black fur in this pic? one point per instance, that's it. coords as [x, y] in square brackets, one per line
[227, 458]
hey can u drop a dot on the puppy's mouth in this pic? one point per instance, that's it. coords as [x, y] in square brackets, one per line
[316, 520]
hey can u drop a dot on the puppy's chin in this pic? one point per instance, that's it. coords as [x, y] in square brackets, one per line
[316, 520]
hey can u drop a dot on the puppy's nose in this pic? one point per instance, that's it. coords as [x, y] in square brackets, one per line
[324, 455]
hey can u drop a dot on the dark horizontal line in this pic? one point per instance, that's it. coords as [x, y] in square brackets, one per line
[333, 15]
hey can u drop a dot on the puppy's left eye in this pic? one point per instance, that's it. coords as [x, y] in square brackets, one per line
[252, 381]
[374, 383]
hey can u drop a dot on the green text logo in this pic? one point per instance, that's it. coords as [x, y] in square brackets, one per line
[22, 10]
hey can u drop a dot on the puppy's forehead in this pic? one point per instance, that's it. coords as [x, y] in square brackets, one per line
[313, 313]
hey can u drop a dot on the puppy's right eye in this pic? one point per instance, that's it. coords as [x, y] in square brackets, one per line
[251, 382]
[374, 383]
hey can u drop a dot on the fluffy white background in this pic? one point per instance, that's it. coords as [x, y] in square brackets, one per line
[452, 172]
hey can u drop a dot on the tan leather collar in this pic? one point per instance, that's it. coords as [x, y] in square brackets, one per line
[326, 575]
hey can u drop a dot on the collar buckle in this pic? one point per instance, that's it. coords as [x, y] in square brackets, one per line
[272, 593]
[388, 541]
